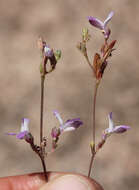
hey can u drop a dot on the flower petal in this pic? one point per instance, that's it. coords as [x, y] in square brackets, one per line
[76, 122]
[96, 22]
[24, 125]
[21, 135]
[57, 115]
[121, 129]
[108, 18]
[111, 124]
[69, 129]
[10, 133]
[71, 124]
[48, 51]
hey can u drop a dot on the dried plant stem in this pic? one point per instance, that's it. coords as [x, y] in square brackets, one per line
[94, 127]
[94, 109]
[44, 168]
[41, 109]
[41, 154]
[91, 162]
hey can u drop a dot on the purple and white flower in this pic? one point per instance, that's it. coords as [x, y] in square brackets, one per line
[101, 25]
[69, 125]
[48, 51]
[114, 129]
[24, 131]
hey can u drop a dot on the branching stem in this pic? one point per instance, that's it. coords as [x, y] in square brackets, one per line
[87, 59]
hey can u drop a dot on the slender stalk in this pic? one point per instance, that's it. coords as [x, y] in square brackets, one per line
[87, 59]
[94, 110]
[91, 163]
[44, 168]
[41, 108]
[41, 153]
[94, 127]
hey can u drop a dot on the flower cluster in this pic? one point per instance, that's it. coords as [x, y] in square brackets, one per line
[100, 60]
[69, 125]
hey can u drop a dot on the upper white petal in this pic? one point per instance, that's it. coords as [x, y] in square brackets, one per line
[69, 129]
[108, 18]
[111, 124]
[57, 115]
[46, 49]
[24, 125]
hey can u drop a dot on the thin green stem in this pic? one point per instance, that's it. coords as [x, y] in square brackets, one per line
[41, 109]
[87, 59]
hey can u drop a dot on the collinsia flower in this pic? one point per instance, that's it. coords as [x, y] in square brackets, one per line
[24, 132]
[48, 51]
[101, 25]
[114, 129]
[69, 125]
[49, 56]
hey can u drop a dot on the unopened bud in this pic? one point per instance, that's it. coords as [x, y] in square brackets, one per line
[85, 34]
[48, 51]
[29, 138]
[57, 54]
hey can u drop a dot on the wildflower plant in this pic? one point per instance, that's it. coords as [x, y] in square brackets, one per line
[49, 59]
[98, 64]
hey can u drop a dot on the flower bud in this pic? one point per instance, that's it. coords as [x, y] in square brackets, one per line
[29, 138]
[57, 54]
[85, 34]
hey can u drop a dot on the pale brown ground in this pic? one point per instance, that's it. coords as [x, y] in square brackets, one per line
[69, 88]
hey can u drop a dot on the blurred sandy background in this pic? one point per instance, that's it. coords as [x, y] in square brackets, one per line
[69, 88]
